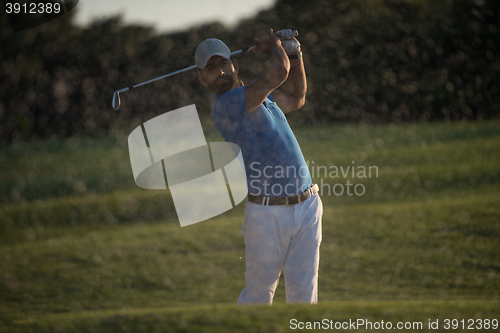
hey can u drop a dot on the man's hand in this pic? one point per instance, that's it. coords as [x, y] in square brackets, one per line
[286, 34]
[291, 46]
[266, 43]
[288, 41]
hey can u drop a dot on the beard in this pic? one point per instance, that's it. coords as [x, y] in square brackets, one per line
[225, 83]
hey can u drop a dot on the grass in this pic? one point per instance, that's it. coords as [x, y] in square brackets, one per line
[280, 318]
[82, 249]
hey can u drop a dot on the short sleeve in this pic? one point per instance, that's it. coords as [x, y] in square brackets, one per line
[228, 112]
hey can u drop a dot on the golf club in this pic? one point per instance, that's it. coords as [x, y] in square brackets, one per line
[116, 96]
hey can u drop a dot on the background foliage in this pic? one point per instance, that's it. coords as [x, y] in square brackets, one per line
[376, 61]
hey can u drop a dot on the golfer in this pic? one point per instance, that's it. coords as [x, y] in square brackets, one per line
[282, 225]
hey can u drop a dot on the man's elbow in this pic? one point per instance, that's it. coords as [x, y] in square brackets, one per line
[299, 102]
[294, 104]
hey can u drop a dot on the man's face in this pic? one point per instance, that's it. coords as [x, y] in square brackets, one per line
[220, 75]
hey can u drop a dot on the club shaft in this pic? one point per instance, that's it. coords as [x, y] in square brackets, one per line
[116, 96]
[180, 71]
[165, 76]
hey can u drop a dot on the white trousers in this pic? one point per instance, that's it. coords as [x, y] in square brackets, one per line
[282, 238]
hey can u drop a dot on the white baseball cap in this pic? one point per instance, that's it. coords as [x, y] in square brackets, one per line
[208, 48]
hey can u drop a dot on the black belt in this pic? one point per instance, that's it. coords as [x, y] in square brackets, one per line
[284, 201]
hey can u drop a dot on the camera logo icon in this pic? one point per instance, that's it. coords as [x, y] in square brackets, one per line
[205, 179]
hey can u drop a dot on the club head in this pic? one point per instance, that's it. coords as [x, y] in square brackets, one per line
[116, 100]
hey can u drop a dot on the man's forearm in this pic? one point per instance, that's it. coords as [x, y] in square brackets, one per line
[274, 75]
[278, 65]
[296, 84]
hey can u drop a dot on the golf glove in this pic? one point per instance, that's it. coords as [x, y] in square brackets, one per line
[288, 41]
[290, 45]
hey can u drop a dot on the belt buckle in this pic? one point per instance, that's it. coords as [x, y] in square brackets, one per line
[287, 201]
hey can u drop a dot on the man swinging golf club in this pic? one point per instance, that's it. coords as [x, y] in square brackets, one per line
[282, 225]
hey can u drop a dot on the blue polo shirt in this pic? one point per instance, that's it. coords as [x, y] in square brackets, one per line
[274, 163]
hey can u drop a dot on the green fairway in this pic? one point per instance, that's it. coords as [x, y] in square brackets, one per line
[83, 249]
